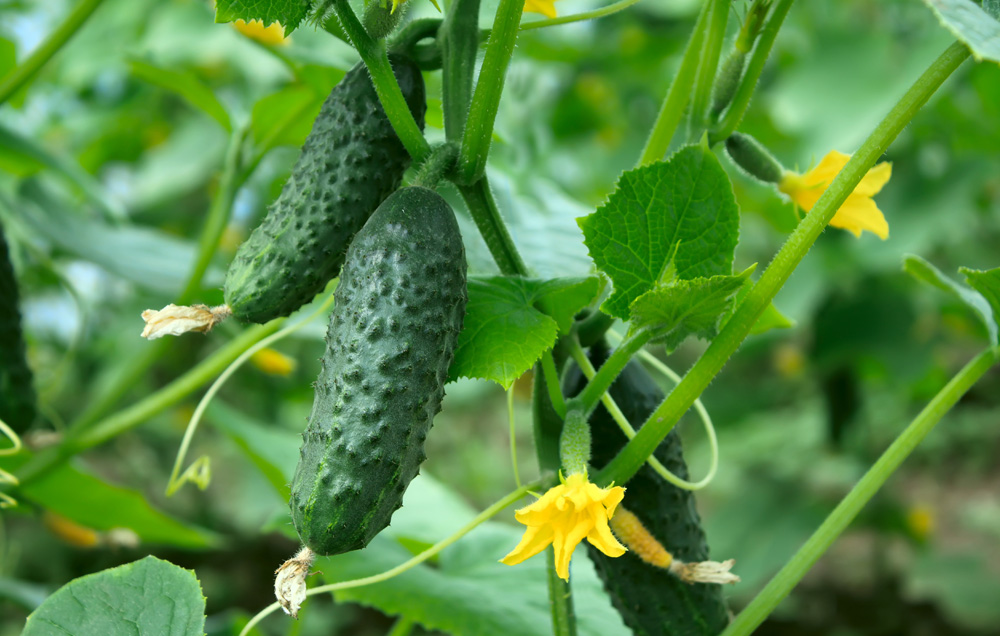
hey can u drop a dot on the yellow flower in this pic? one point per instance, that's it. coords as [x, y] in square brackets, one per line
[545, 7]
[566, 515]
[273, 34]
[858, 212]
[273, 362]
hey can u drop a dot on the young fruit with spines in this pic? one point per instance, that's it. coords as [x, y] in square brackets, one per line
[651, 600]
[17, 393]
[399, 309]
[351, 161]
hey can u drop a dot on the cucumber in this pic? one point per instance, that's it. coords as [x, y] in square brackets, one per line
[392, 335]
[351, 161]
[17, 394]
[651, 601]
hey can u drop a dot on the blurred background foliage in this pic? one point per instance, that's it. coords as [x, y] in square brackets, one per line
[109, 162]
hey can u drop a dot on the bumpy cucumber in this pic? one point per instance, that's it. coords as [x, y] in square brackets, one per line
[392, 335]
[17, 394]
[651, 601]
[350, 162]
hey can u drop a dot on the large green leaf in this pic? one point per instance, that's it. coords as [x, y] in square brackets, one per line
[972, 25]
[145, 597]
[273, 450]
[510, 322]
[95, 503]
[289, 13]
[681, 308]
[286, 117]
[187, 85]
[987, 283]
[927, 273]
[681, 211]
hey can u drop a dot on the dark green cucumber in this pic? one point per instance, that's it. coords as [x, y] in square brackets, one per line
[651, 601]
[351, 161]
[399, 309]
[17, 394]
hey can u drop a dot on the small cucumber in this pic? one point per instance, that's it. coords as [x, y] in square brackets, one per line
[350, 162]
[652, 601]
[392, 335]
[17, 394]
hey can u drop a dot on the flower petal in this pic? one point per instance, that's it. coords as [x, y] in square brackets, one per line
[860, 213]
[534, 541]
[602, 539]
[828, 168]
[545, 7]
[875, 180]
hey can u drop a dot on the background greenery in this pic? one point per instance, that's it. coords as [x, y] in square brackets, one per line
[110, 161]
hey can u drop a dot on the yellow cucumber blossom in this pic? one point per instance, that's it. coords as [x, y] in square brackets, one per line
[273, 362]
[545, 7]
[564, 516]
[859, 211]
[273, 34]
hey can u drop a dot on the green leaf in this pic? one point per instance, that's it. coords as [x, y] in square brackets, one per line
[972, 25]
[684, 204]
[187, 85]
[466, 592]
[289, 13]
[275, 451]
[511, 322]
[286, 117]
[145, 597]
[772, 318]
[102, 506]
[987, 283]
[927, 273]
[681, 308]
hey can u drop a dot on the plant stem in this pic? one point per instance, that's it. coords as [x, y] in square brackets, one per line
[402, 627]
[621, 5]
[708, 65]
[486, 98]
[218, 215]
[483, 209]
[34, 62]
[459, 41]
[845, 512]
[127, 419]
[560, 598]
[598, 385]
[439, 163]
[748, 83]
[593, 327]
[389, 94]
[663, 419]
[551, 377]
[677, 96]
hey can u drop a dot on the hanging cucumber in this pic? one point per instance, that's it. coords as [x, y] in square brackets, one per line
[350, 162]
[651, 600]
[17, 394]
[399, 309]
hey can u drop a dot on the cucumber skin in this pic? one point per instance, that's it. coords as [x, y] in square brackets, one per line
[651, 601]
[17, 393]
[399, 309]
[351, 161]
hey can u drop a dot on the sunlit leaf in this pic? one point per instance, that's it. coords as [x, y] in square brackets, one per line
[289, 13]
[682, 210]
[185, 84]
[976, 27]
[145, 597]
[927, 273]
[511, 322]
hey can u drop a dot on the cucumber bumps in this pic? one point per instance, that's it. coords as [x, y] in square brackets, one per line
[392, 335]
[651, 600]
[350, 162]
[17, 394]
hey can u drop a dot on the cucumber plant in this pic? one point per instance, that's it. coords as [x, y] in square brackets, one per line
[17, 391]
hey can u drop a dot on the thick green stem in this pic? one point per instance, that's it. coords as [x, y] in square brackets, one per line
[677, 97]
[439, 163]
[591, 395]
[845, 512]
[560, 599]
[697, 379]
[34, 62]
[218, 217]
[486, 98]
[459, 40]
[127, 419]
[551, 377]
[738, 106]
[708, 66]
[389, 94]
[484, 212]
